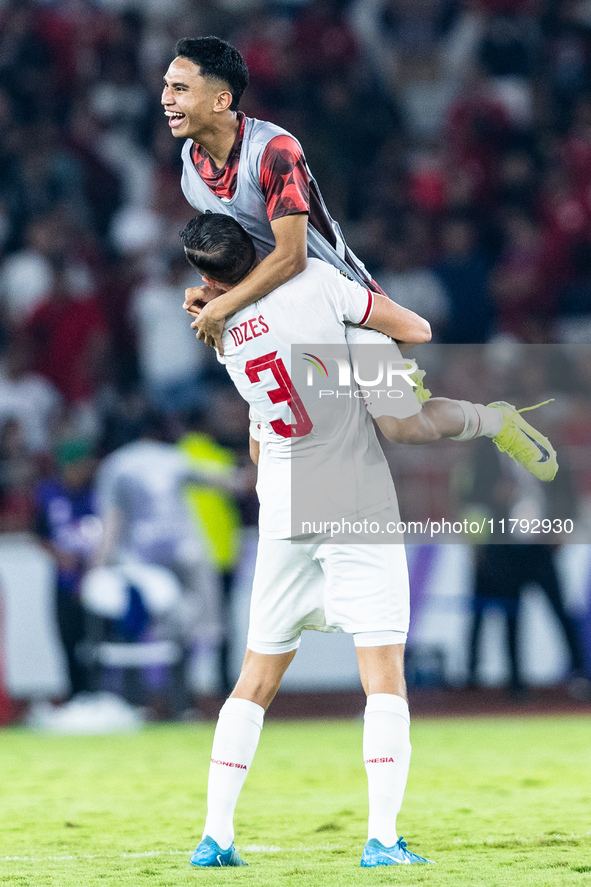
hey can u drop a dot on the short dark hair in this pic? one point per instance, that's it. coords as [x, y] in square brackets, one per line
[217, 246]
[217, 60]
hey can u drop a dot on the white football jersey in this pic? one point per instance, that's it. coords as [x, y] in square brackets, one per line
[329, 440]
[146, 481]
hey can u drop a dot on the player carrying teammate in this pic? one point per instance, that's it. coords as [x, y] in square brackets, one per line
[361, 589]
[256, 172]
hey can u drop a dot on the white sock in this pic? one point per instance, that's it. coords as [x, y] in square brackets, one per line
[479, 421]
[386, 752]
[234, 744]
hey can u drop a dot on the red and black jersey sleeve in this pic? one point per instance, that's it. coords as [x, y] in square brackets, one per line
[284, 178]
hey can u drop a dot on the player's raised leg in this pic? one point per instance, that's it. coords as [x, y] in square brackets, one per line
[441, 417]
[462, 420]
[235, 742]
[386, 747]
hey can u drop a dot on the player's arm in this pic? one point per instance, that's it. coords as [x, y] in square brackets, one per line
[254, 449]
[254, 434]
[112, 523]
[284, 262]
[109, 494]
[398, 323]
[222, 479]
[285, 186]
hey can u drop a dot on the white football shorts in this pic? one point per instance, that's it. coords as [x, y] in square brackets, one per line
[325, 587]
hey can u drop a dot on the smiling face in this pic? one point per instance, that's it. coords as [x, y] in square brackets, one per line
[192, 102]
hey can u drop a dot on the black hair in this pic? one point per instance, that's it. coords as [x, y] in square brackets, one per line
[217, 60]
[218, 247]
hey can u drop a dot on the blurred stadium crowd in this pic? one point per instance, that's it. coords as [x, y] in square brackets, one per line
[451, 139]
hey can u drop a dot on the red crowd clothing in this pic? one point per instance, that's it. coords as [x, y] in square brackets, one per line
[65, 334]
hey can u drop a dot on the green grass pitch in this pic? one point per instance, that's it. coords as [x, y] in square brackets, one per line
[494, 802]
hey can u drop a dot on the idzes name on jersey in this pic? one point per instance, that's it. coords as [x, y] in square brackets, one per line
[248, 330]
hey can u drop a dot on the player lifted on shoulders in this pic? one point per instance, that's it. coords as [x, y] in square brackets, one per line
[256, 172]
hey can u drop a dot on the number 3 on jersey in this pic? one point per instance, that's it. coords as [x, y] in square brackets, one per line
[284, 393]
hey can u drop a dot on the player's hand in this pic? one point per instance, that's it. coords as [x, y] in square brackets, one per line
[209, 326]
[197, 297]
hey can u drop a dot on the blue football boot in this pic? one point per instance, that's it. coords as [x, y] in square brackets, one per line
[374, 853]
[209, 853]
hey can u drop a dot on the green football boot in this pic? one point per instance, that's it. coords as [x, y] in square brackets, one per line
[524, 443]
[421, 392]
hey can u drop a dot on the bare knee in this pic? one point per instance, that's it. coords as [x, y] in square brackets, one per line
[257, 689]
[260, 677]
[382, 669]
